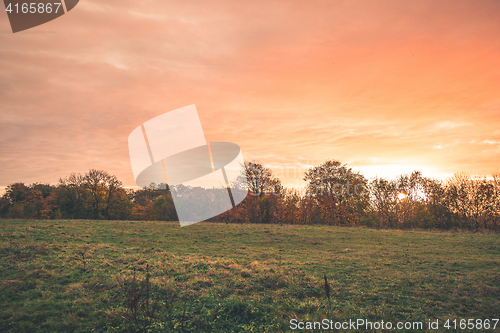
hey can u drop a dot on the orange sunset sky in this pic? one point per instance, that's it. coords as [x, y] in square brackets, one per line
[385, 86]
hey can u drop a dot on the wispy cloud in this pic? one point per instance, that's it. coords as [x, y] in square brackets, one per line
[452, 125]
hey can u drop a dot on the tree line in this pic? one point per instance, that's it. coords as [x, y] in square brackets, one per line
[334, 195]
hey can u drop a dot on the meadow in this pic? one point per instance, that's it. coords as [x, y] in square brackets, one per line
[120, 276]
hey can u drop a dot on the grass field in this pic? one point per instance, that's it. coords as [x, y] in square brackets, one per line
[70, 276]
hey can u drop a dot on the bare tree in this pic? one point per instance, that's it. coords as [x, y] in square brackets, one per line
[471, 200]
[102, 188]
[260, 180]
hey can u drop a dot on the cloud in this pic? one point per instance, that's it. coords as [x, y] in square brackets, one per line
[490, 142]
[288, 81]
[452, 125]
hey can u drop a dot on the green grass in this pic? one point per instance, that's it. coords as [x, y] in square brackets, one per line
[70, 276]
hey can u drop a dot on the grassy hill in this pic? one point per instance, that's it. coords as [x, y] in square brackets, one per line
[109, 276]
